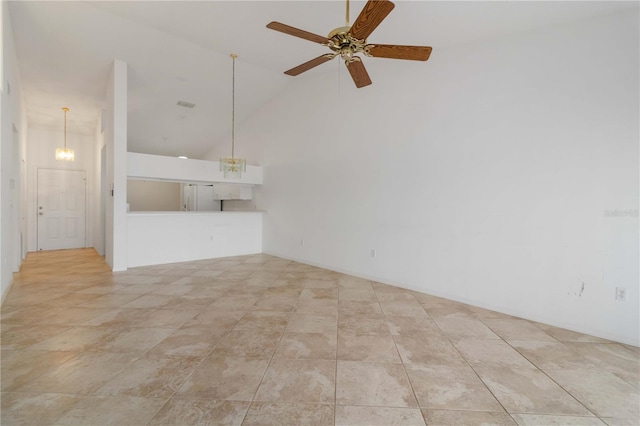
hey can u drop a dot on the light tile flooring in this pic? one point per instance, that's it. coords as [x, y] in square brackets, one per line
[258, 340]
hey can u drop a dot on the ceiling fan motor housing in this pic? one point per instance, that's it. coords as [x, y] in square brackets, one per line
[342, 43]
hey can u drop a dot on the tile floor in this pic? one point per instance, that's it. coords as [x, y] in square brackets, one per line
[257, 340]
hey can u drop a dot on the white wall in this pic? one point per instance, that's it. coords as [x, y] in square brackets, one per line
[42, 144]
[13, 157]
[189, 236]
[115, 139]
[484, 175]
[99, 188]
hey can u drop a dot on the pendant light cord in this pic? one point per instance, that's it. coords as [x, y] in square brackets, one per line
[65, 109]
[233, 105]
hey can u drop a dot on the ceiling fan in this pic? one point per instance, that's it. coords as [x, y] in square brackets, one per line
[348, 41]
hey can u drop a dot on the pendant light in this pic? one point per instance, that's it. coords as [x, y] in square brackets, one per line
[232, 166]
[65, 154]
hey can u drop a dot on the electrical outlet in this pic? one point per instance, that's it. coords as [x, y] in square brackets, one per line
[301, 242]
[373, 252]
[621, 294]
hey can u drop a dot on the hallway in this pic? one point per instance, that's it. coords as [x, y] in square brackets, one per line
[262, 340]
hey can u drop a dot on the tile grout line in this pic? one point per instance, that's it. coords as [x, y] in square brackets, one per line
[148, 351]
[204, 358]
[511, 415]
[554, 381]
[404, 367]
[471, 366]
[255, 393]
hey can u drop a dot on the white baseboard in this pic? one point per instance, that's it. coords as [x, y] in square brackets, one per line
[524, 315]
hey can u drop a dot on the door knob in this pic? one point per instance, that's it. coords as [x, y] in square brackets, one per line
[40, 213]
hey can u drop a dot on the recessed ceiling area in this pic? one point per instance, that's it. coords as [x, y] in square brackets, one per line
[179, 51]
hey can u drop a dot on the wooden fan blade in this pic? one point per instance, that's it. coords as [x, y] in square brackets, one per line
[414, 53]
[297, 32]
[358, 72]
[310, 64]
[370, 17]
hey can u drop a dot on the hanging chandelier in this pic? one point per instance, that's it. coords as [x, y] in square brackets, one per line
[65, 154]
[233, 167]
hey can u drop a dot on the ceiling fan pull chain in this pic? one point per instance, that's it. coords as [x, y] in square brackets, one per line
[339, 77]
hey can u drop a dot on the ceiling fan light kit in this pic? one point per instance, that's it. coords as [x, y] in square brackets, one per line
[233, 167]
[348, 41]
[65, 154]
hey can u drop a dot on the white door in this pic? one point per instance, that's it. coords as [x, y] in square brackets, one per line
[61, 209]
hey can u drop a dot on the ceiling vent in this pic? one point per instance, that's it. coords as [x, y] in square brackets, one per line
[186, 104]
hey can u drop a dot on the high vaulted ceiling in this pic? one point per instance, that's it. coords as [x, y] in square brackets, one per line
[179, 50]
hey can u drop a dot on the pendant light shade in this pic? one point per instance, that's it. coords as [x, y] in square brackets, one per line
[65, 154]
[233, 167]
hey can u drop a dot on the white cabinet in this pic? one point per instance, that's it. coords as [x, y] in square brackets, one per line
[232, 192]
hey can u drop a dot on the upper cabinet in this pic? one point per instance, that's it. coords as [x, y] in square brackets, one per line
[159, 167]
[231, 192]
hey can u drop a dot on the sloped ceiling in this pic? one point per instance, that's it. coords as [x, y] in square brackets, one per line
[179, 50]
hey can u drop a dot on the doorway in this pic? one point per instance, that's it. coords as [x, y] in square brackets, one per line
[61, 209]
